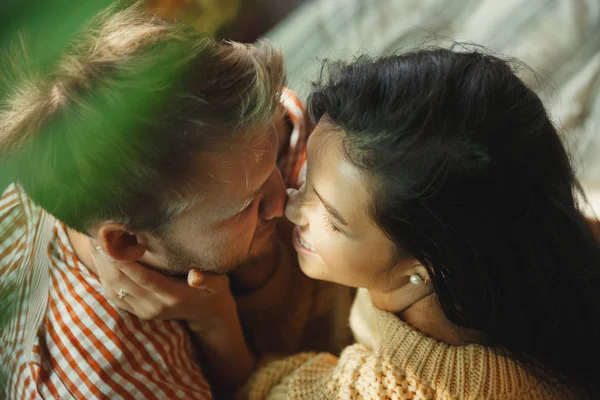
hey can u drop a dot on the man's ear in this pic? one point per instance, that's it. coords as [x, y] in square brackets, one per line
[120, 243]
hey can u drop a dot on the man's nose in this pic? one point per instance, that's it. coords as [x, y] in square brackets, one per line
[273, 203]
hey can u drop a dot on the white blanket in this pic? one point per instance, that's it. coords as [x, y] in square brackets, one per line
[559, 39]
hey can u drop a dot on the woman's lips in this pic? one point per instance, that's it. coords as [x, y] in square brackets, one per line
[302, 245]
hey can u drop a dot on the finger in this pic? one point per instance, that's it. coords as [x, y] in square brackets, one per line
[130, 290]
[130, 277]
[113, 280]
[144, 311]
[98, 254]
[123, 305]
[195, 278]
[114, 299]
[207, 281]
[141, 302]
[400, 300]
[149, 279]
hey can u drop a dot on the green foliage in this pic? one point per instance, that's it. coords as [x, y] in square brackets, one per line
[48, 26]
[51, 23]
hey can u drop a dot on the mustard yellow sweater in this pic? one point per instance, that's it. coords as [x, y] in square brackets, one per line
[394, 361]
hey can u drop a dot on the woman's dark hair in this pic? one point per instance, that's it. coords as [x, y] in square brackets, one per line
[471, 178]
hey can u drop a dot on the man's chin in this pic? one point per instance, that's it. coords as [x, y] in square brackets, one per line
[266, 253]
[255, 258]
[258, 268]
[263, 246]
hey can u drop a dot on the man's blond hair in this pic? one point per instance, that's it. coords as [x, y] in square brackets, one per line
[110, 133]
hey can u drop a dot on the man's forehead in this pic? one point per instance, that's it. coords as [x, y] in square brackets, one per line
[230, 174]
[250, 148]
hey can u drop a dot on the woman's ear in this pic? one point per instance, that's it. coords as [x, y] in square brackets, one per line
[413, 285]
[120, 243]
[416, 272]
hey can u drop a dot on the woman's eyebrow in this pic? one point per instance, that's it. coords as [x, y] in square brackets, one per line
[331, 209]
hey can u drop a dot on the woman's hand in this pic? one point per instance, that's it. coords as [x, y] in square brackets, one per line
[204, 301]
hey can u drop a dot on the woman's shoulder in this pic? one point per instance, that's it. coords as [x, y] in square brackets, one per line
[393, 360]
[394, 355]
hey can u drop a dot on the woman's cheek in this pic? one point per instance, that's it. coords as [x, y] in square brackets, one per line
[317, 234]
[328, 246]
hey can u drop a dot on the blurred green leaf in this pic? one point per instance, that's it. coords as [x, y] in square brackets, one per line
[48, 25]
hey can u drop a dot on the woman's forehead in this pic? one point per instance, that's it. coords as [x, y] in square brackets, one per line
[335, 178]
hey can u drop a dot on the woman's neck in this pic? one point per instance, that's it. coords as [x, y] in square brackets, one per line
[426, 316]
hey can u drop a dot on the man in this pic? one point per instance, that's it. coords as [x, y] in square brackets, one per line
[192, 182]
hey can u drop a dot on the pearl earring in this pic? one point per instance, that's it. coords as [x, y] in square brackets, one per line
[415, 279]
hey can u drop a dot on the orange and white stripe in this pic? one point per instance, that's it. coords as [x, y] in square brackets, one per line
[295, 156]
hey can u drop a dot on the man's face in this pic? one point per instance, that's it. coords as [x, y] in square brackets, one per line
[232, 221]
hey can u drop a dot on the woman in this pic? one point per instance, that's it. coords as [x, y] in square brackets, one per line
[438, 185]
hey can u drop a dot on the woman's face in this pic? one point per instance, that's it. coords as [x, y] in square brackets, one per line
[336, 238]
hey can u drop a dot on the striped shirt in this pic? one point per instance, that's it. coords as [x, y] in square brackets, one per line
[64, 339]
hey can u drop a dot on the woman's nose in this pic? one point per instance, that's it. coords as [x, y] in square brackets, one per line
[293, 208]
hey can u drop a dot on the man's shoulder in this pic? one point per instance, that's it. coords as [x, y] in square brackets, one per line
[10, 203]
[22, 287]
[126, 355]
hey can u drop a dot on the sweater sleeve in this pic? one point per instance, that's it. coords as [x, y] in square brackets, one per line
[357, 373]
[276, 379]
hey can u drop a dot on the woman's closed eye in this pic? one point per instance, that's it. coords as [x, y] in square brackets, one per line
[330, 225]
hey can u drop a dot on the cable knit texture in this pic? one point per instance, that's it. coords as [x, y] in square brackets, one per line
[394, 361]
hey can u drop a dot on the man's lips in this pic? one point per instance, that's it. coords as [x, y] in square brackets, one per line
[266, 229]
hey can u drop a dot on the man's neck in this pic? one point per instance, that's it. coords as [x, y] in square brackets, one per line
[82, 247]
[254, 275]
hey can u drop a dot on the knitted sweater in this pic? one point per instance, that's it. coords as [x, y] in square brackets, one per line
[394, 361]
